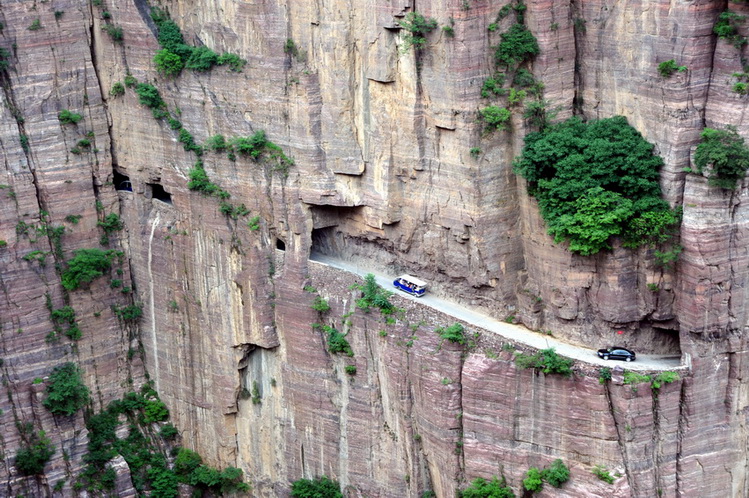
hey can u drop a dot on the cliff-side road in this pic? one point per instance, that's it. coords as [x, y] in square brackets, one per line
[511, 331]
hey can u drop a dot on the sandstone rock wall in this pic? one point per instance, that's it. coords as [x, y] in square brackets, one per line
[381, 138]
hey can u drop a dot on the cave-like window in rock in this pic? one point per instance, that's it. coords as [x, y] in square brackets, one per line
[280, 245]
[158, 192]
[122, 182]
[323, 240]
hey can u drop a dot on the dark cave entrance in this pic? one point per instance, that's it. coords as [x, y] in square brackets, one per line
[280, 245]
[122, 182]
[157, 192]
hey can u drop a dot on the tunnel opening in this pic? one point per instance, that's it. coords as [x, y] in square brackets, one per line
[157, 192]
[280, 245]
[122, 182]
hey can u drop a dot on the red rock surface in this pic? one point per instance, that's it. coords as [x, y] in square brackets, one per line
[381, 140]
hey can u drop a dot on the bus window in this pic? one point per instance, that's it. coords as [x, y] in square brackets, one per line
[410, 284]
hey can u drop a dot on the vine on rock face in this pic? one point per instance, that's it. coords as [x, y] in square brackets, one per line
[596, 181]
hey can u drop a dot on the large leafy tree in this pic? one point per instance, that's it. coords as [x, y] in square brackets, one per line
[595, 181]
[725, 154]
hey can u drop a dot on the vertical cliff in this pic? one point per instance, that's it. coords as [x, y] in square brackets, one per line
[392, 169]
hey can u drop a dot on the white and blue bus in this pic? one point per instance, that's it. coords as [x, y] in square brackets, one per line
[410, 284]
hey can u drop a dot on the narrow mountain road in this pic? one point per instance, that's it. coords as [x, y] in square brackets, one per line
[510, 331]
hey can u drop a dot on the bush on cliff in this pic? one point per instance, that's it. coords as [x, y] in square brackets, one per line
[517, 45]
[595, 181]
[31, 459]
[86, 265]
[481, 488]
[725, 155]
[168, 63]
[66, 392]
[320, 487]
[417, 27]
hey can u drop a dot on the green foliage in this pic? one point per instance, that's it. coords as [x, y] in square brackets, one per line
[533, 481]
[130, 313]
[725, 155]
[67, 117]
[603, 474]
[726, 27]
[481, 488]
[350, 369]
[320, 304]
[111, 223]
[417, 27]
[4, 59]
[449, 31]
[525, 79]
[493, 86]
[148, 95]
[174, 124]
[38, 256]
[635, 378]
[740, 88]
[30, 460]
[254, 223]
[202, 59]
[495, 118]
[337, 343]
[216, 143]
[66, 392]
[454, 333]
[320, 487]
[188, 142]
[517, 45]
[475, 152]
[547, 361]
[114, 32]
[666, 259]
[669, 67]
[35, 25]
[250, 146]
[556, 474]
[604, 375]
[86, 265]
[168, 432]
[200, 182]
[235, 62]
[168, 63]
[155, 411]
[595, 181]
[664, 378]
[130, 81]
[536, 114]
[290, 48]
[374, 296]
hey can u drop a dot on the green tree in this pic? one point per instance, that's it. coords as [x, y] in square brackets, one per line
[30, 460]
[601, 177]
[481, 488]
[85, 266]
[168, 63]
[66, 392]
[725, 155]
[517, 45]
[320, 487]
[533, 481]
[556, 474]
[495, 117]
[417, 27]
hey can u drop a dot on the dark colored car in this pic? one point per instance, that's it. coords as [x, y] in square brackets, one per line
[616, 353]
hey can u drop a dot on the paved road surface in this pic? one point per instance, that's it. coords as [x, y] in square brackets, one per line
[510, 331]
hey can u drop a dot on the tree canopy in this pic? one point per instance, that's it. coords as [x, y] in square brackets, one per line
[594, 181]
[726, 155]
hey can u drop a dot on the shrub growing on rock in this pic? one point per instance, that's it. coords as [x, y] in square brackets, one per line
[481, 488]
[86, 265]
[725, 154]
[320, 487]
[30, 460]
[417, 27]
[66, 392]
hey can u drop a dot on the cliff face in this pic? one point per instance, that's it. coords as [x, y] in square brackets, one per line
[383, 175]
